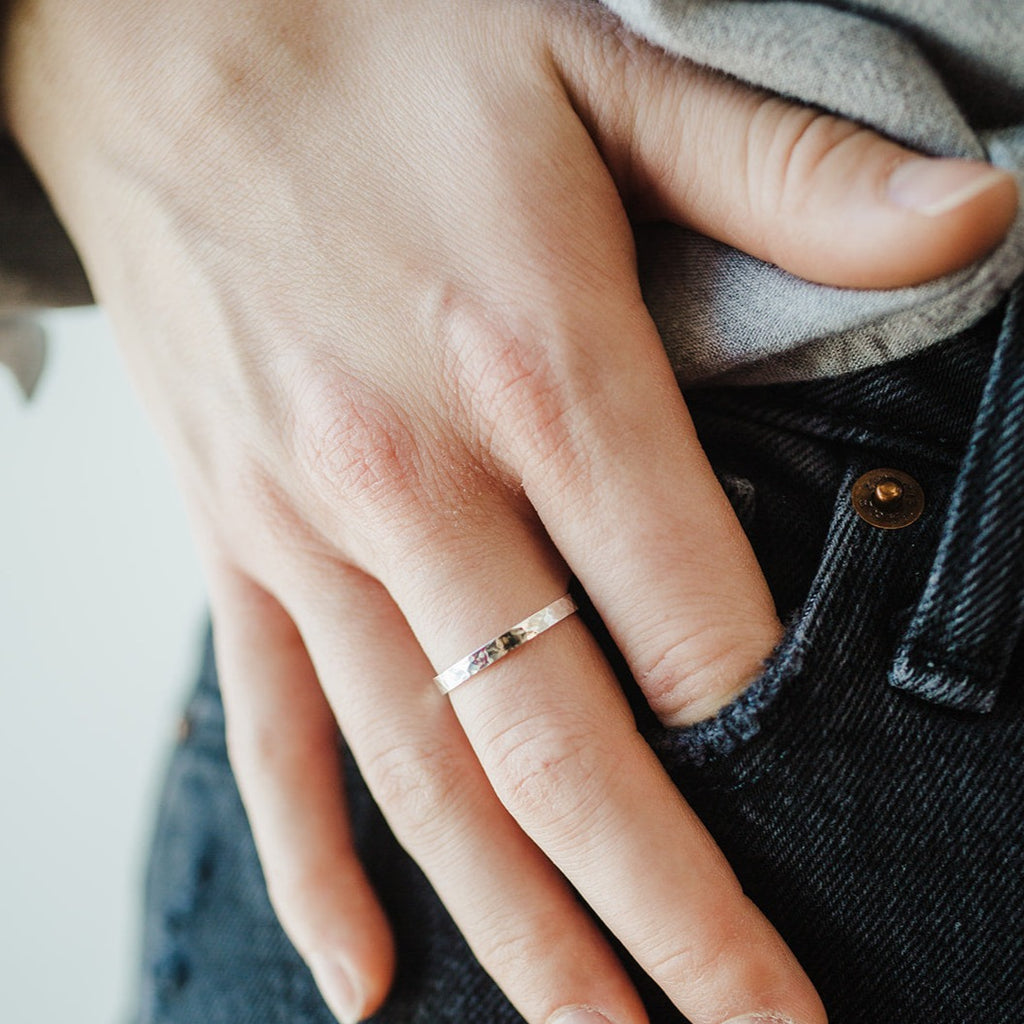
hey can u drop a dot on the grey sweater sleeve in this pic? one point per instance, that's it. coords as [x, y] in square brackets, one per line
[38, 266]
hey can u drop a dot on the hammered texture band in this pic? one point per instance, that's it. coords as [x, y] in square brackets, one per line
[496, 649]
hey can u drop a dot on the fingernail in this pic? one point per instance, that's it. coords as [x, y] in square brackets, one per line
[339, 987]
[578, 1015]
[934, 187]
[761, 1018]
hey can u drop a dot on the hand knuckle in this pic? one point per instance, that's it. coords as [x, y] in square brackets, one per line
[522, 381]
[533, 393]
[685, 674]
[259, 751]
[512, 942]
[549, 414]
[416, 787]
[788, 146]
[525, 395]
[548, 779]
[696, 962]
[352, 442]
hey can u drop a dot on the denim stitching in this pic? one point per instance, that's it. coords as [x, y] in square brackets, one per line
[970, 615]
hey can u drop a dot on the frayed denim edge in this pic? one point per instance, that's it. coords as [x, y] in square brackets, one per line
[739, 721]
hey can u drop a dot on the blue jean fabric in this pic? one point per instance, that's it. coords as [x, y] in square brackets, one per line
[868, 788]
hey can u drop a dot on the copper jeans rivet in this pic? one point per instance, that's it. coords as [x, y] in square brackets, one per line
[888, 499]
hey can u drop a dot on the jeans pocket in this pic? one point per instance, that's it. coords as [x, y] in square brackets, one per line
[847, 609]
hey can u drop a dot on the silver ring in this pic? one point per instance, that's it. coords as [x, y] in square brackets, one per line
[496, 649]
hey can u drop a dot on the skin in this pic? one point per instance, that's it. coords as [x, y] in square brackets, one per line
[372, 270]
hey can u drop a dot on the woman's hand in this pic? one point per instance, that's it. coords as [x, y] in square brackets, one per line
[372, 270]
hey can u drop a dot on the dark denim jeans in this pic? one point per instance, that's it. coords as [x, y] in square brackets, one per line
[868, 788]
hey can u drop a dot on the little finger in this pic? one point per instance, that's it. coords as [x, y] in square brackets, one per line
[284, 749]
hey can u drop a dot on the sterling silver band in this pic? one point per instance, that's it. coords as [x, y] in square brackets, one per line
[496, 649]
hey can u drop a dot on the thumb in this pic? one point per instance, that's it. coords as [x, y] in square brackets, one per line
[824, 198]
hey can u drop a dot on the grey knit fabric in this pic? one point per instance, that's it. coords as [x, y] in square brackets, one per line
[38, 267]
[943, 76]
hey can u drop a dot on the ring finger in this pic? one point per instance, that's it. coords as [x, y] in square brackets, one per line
[518, 915]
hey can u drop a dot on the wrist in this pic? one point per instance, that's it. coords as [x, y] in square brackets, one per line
[90, 91]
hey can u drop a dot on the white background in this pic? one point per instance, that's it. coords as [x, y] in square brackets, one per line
[101, 611]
